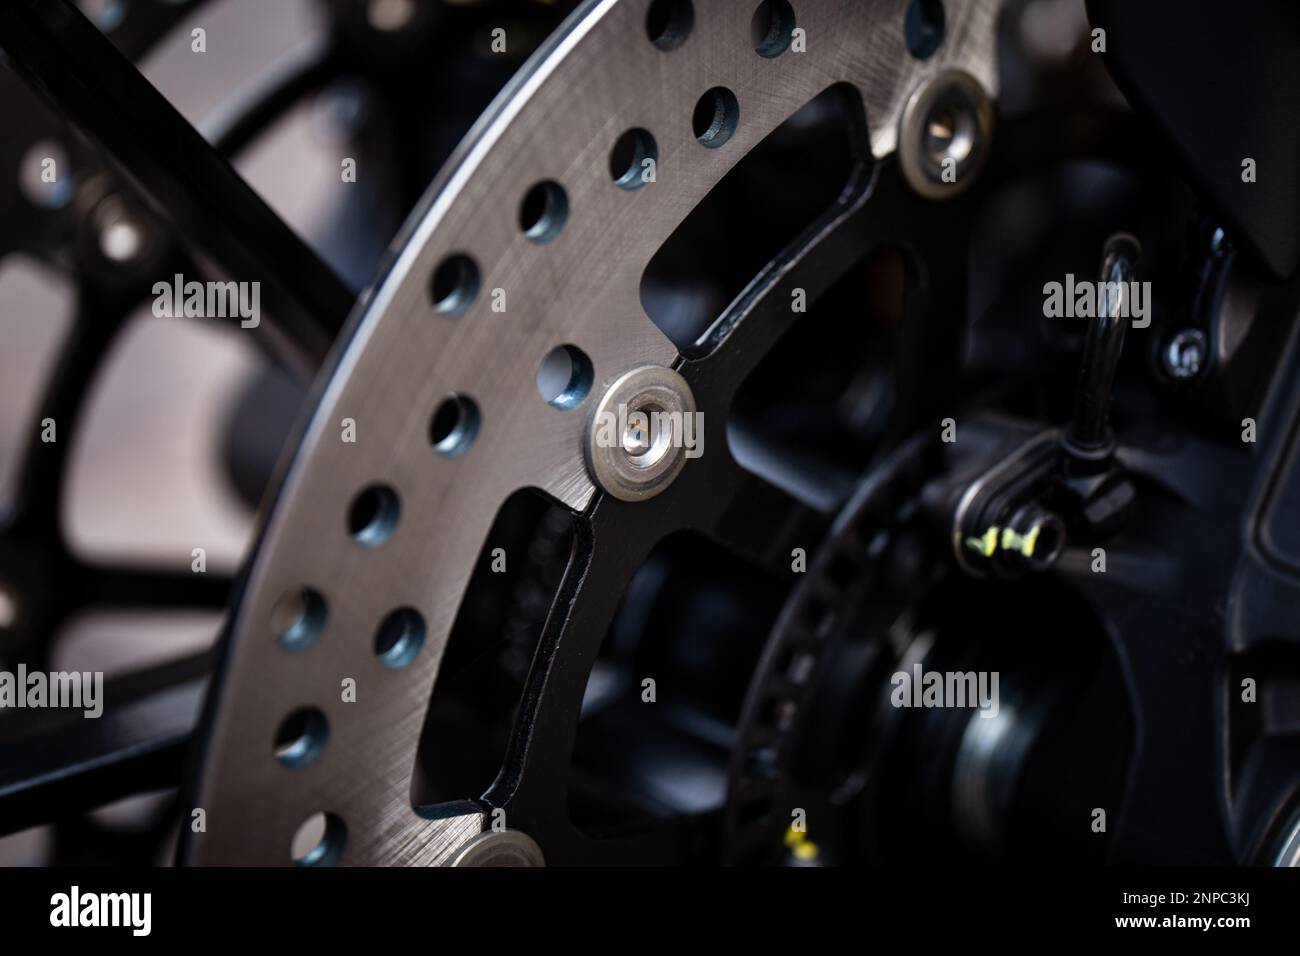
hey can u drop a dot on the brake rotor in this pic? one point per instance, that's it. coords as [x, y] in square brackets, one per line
[429, 416]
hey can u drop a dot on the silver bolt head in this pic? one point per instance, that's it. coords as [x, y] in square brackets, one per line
[1184, 354]
[944, 134]
[634, 446]
[499, 848]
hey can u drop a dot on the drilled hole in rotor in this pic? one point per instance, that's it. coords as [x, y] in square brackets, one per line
[298, 619]
[628, 165]
[455, 285]
[372, 519]
[544, 211]
[923, 27]
[772, 27]
[564, 377]
[668, 23]
[400, 637]
[454, 425]
[716, 116]
[319, 840]
[301, 738]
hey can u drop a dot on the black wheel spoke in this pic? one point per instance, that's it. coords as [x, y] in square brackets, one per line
[59, 762]
[64, 403]
[276, 97]
[182, 177]
[52, 582]
[95, 586]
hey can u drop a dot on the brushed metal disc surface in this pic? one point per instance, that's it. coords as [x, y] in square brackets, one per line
[598, 77]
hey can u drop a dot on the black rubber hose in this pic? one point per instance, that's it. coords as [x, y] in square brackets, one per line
[1089, 434]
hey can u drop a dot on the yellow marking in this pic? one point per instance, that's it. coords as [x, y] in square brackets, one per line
[986, 544]
[1006, 539]
[798, 843]
[806, 851]
[1022, 543]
